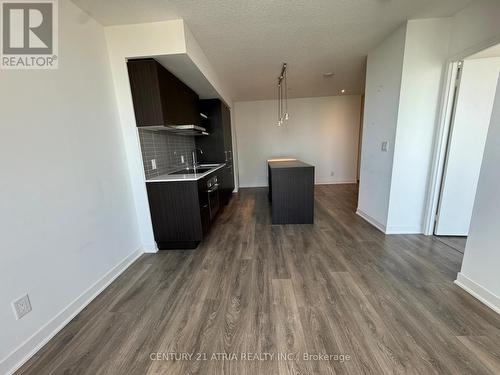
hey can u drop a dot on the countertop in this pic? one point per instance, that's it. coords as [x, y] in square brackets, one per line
[186, 177]
[287, 163]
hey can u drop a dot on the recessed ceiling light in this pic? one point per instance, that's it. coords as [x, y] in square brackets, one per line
[327, 74]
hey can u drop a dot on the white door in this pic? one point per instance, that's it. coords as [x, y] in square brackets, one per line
[467, 139]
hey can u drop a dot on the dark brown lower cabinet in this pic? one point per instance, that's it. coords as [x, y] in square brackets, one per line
[291, 192]
[180, 212]
[227, 183]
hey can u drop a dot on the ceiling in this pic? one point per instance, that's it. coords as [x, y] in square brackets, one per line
[488, 52]
[247, 40]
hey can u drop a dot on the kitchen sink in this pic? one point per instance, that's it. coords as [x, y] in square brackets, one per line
[192, 170]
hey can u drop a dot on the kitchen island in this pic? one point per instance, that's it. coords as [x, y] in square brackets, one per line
[291, 191]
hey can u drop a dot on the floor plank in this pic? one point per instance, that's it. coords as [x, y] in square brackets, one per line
[455, 242]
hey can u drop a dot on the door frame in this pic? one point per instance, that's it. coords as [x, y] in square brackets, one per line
[444, 123]
[456, 75]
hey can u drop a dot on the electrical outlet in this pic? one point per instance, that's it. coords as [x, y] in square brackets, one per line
[153, 164]
[21, 306]
[182, 159]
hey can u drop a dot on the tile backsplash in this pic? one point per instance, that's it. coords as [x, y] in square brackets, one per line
[166, 148]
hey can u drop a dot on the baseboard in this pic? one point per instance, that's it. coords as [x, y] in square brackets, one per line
[316, 183]
[391, 229]
[479, 292]
[371, 220]
[150, 248]
[26, 350]
[348, 182]
[253, 186]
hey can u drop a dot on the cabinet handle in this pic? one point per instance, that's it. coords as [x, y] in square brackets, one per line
[230, 155]
[213, 188]
[225, 154]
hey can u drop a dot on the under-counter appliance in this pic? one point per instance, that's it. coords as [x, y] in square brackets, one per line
[213, 196]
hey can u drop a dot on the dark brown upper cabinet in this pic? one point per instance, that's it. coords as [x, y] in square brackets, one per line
[218, 146]
[160, 98]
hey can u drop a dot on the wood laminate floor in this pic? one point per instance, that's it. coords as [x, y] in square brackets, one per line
[336, 287]
[458, 243]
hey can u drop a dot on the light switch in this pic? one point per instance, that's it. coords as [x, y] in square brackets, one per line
[385, 146]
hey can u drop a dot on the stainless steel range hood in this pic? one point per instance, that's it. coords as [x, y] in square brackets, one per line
[179, 129]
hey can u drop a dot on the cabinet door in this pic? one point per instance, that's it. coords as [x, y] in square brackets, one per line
[145, 89]
[223, 181]
[180, 103]
[205, 218]
[227, 183]
[212, 145]
[159, 97]
[228, 146]
[175, 211]
[230, 185]
[226, 126]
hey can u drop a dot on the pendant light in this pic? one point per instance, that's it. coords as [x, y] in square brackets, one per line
[282, 98]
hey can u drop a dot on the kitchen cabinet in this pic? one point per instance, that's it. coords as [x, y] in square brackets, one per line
[181, 212]
[218, 146]
[159, 97]
[291, 192]
[227, 183]
[175, 214]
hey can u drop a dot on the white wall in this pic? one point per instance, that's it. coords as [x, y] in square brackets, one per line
[67, 211]
[466, 146]
[321, 131]
[426, 49]
[481, 263]
[197, 55]
[199, 58]
[143, 40]
[383, 83]
[394, 192]
[139, 40]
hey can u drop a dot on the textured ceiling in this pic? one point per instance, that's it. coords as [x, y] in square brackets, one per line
[247, 40]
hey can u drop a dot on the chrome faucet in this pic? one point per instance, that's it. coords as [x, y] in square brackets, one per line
[195, 159]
